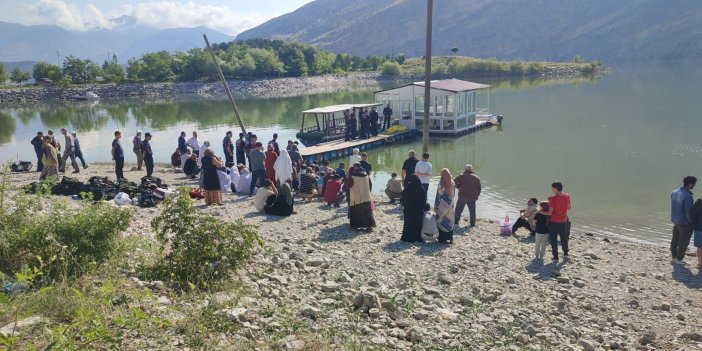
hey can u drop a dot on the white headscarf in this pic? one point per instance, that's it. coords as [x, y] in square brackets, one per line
[234, 175]
[283, 167]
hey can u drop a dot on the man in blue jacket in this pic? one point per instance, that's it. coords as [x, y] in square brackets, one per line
[680, 204]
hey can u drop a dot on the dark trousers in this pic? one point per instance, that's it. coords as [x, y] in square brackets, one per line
[241, 158]
[426, 189]
[522, 223]
[197, 152]
[681, 239]
[256, 176]
[365, 128]
[354, 129]
[556, 231]
[347, 132]
[386, 122]
[82, 160]
[40, 165]
[229, 158]
[374, 128]
[460, 204]
[119, 166]
[149, 163]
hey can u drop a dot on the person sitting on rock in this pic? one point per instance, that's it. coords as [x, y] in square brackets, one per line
[190, 167]
[393, 189]
[526, 217]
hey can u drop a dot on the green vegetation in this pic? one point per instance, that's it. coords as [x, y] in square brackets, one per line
[18, 76]
[474, 67]
[3, 73]
[391, 68]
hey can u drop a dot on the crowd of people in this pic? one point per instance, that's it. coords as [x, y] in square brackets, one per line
[50, 160]
[369, 122]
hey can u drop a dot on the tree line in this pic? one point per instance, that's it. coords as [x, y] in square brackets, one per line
[250, 59]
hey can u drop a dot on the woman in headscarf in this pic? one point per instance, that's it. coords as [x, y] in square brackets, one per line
[414, 200]
[283, 167]
[283, 204]
[244, 183]
[211, 185]
[271, 157]
[443, 206]
[204, 145]
[360, 209]
[234, 176]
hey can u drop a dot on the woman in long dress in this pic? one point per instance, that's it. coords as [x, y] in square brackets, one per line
[443, 206]
[210, 163]
[283, 168]
[283, 204]
[271, 157]
[244, 183]
[234, 176]
[414, 199]
[360, 209]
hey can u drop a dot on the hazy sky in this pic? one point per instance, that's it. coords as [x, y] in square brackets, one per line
[228, 16]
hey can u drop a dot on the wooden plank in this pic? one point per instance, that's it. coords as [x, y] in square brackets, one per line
[340, 144]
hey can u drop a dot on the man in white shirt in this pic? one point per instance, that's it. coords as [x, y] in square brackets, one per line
[194, 143]
[423, 171]
[355, 157]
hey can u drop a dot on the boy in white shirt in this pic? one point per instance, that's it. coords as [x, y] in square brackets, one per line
[423, 171]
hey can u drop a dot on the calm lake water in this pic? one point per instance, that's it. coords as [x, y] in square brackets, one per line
[619, 144]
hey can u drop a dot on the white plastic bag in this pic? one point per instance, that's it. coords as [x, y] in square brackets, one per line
[506, 226]
[122, 199]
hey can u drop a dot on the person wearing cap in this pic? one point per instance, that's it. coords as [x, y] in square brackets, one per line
[79, 152]
[136, 148]
[118, 155]
[147, 154]
[469, 188]
[38, 143]
[68, 152]
[228, 147]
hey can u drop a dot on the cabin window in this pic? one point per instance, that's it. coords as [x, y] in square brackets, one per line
[451, 106]
[432, 106]
[440, 103]
[434, 124]
[419, 106]
[462, 123]
[472, 102]
[406, 110]
[419, 124]
[448, 124]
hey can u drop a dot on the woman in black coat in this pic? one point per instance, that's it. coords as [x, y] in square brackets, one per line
[414, 199]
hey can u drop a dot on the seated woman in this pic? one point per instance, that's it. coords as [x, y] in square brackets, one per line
[233, 176]
[244, 183]
[283, 204]
[308, 182]
[265, 195]
[332, 190]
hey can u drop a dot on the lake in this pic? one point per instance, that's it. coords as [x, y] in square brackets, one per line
[620, 144]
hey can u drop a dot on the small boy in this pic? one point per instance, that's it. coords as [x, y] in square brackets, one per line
[541, 229]
[341, 171]
[526, 217]
[394, 188]
[430, 231]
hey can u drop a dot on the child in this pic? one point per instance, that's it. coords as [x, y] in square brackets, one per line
[341, 171]
[541, 228]
[394, 188]
[430, 231]
[526, 217]
[332, 190]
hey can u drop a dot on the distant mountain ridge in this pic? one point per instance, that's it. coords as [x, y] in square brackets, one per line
[128, 39]
[555, 30]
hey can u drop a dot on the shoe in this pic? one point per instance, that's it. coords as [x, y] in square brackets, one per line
[74, 172]
[86, 166]
[554, 260]
[679, 262]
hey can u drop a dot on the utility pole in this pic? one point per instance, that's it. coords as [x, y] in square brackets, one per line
[427, 78]
[226, 86]
[58, 58]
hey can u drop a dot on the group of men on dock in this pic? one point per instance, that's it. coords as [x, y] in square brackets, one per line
[370, 123]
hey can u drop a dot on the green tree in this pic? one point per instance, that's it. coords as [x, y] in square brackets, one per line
[199, 65]
[157, 67]
[578, 59]
[18, 76]
[46, 70]
[267, 63]
[3, 73]
[134, 67]
[112, 70]
[391, 68]
[81, 71]
[323, 62]
[246, 66]
[343, 61]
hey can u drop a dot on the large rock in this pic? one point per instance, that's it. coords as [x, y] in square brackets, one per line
[330, 287]
[15, 328]
[310, 311]
[366, 300]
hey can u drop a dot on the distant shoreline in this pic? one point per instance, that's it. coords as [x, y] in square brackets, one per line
[272, 87]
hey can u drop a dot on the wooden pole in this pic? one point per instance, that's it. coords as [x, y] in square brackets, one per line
[427, 77]
[226, 86]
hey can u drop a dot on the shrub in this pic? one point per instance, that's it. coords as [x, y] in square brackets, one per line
[199, 249]
[391, 68]
[516, 68]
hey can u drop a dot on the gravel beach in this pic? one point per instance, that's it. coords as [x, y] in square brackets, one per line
[345, 288]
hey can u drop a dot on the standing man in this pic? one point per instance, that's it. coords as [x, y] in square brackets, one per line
[258, 166]
[136, 148]
[274, 142]
[79, 152]
[194, 143]
[250, 145]
[182, 145]
[365, 164]
[365, 124]
[423, 171]
[680, 205]
[290, 145]
[148, 154]
[228, 148]
[469, 188]
[353, 124]
[69, 152]
[118, 156]
[408, 167]
[558, 227]
[387, 117]
[374, 118]
[295, 156]
[240, 154]
[347, 126]
[38, 143]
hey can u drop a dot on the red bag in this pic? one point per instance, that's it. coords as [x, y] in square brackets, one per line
[197, 193]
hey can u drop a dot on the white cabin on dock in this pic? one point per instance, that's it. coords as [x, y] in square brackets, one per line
[452, 107]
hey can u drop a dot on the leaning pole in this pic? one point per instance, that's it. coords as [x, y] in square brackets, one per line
[226, 86]
[427, 78]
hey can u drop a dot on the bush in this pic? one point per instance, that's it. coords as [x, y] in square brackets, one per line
[391, 68]
[199, 249]
[516, 68]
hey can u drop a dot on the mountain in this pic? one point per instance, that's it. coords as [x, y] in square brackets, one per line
[127, 39]
[612, 31]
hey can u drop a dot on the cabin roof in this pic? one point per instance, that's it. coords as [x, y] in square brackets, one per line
[339, 108]
[452, 85]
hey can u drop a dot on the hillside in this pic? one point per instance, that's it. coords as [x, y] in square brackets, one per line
[612, 31]
[40, 43]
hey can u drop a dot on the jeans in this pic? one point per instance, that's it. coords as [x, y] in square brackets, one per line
[522, 223]
[557, 230]
[228, 158]
[681, 239]
[66, 156]
[119, 165]
[540, 245]
[149, 163]
[460, 204]
[256, 176]
[82, 160]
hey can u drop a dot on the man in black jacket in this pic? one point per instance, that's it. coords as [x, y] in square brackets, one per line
[387, 116]
[38, 144]
[374, 121]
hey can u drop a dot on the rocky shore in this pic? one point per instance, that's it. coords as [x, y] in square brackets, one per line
[320, 286]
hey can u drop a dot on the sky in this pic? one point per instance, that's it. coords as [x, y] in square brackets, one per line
[228, 16]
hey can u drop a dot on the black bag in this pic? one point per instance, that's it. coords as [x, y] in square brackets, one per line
[153, 181]
[21, 166]
[68, 187]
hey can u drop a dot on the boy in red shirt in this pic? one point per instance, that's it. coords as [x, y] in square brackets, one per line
[558, 226]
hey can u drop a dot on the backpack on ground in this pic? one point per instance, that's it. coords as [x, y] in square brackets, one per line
[21, 166]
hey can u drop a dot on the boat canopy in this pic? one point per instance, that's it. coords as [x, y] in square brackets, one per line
[339, 108]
